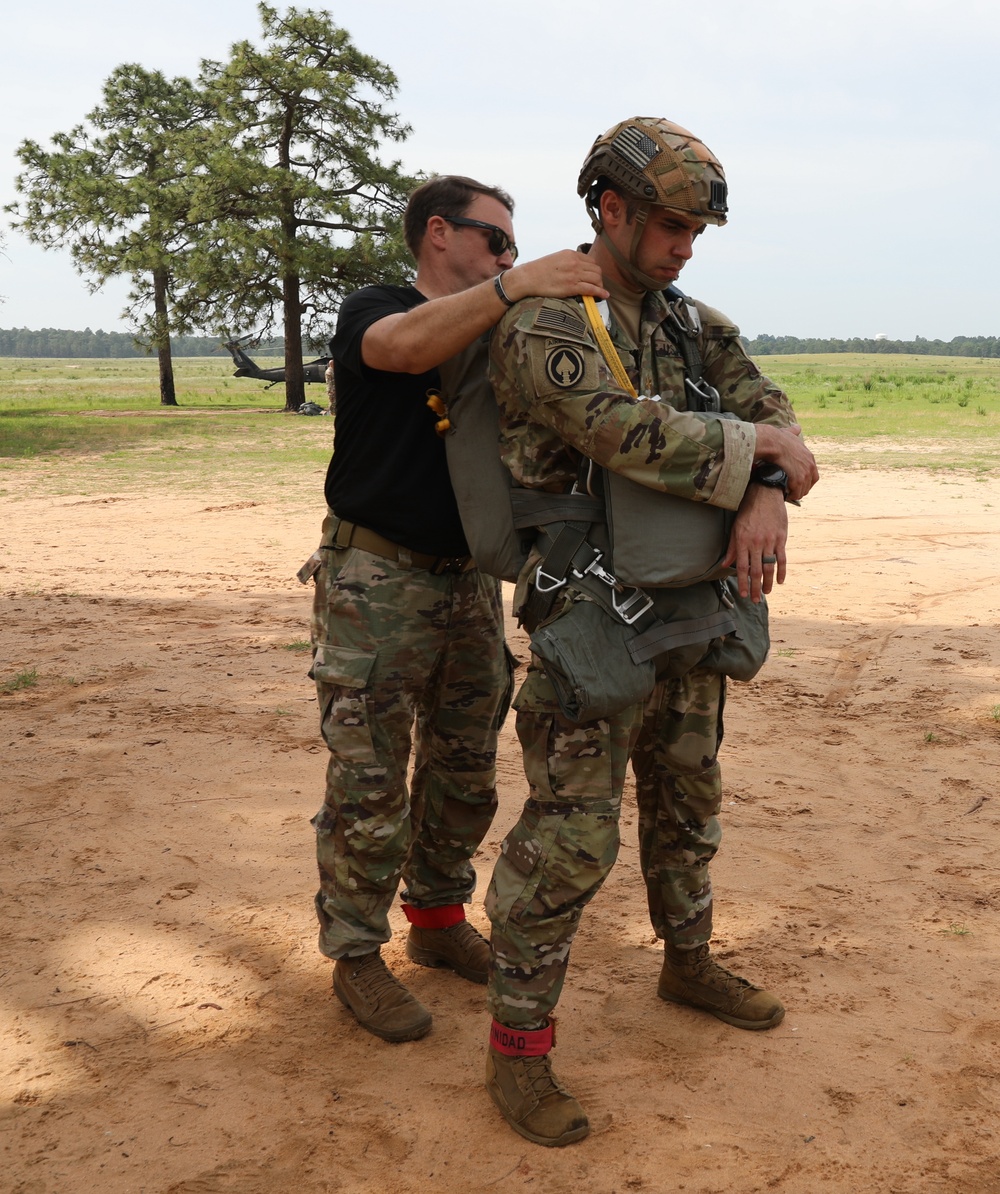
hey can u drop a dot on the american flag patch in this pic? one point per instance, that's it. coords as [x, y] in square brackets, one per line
[636, 147]
[560, 321]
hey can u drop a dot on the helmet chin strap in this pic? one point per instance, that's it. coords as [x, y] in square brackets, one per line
[627, 265]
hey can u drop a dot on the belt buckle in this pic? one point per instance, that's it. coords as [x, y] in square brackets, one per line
[447, 564]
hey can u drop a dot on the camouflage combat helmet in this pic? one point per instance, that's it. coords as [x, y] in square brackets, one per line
[653, 162]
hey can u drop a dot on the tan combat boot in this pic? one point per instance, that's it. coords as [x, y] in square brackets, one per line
[531, 1099]
[459, 946]
[443, 937]
[379, 1000]
[694, 978]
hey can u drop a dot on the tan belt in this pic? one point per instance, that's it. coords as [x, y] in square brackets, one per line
[349, 534]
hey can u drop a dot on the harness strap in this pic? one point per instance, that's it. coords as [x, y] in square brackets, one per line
[570, 559]
[684, 334]
[683, 330]
[551, 574]
[535, 507]
[683, 325]
[665, 636]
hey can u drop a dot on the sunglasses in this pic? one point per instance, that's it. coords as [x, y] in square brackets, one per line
[499, 242]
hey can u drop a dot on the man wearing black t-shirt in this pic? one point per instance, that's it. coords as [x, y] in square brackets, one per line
[406, 631]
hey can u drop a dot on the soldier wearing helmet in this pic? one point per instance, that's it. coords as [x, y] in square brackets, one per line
[571, 419]
[652, 163]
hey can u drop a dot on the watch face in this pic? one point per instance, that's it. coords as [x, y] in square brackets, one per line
[772, 475]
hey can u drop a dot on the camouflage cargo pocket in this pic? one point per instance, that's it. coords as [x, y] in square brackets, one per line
[519, 868]
[341, 675]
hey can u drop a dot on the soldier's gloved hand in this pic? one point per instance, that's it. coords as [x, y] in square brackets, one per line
[558, 275]
[783, 446]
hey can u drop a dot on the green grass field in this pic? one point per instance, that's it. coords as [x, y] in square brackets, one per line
[100, 405]
[897, 411]
[106, 415]
[934, 412]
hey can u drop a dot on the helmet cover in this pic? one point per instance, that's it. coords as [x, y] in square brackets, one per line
[654, 161]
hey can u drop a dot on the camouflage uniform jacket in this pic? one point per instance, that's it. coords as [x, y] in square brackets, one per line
[558, 399]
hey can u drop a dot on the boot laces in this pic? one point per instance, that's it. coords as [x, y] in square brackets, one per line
[373, 978]
[466, 936]
[541, 1080]
[703, 967]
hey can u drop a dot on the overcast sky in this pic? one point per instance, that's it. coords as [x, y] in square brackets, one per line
[859, 137]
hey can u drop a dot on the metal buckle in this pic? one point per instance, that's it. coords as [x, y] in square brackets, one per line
[595, 568]
[556, 583]
[674, 314]
[447, 564]
[623, 608]
[706, 394]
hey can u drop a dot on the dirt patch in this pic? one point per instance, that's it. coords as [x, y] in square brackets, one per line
[168, 1023]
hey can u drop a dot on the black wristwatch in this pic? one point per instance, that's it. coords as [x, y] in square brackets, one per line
[771, 475]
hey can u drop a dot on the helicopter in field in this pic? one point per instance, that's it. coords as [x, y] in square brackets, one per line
[313, 371]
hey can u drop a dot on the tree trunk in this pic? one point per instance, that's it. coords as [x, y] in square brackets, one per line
[168, 397]
[295, 388]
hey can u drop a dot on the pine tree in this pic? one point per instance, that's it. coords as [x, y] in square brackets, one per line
[298, 207]
[116, 192]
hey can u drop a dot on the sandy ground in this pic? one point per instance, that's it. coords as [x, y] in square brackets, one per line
[167, 1023]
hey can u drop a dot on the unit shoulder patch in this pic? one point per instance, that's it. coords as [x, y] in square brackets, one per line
[564, 366]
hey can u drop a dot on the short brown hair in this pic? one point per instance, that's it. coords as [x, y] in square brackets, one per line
[443, 195]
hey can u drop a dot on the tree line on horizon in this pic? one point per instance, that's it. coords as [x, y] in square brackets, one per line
[62, 342]
[959, 346]
[254, 195]
[59, 342]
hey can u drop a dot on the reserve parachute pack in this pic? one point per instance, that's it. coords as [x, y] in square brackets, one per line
[666, 543]
[656, 539]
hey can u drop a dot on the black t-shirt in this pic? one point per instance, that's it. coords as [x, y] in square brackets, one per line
[389, 472]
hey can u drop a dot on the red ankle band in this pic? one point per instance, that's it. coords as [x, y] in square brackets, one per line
[520, 1042]
[435, 918]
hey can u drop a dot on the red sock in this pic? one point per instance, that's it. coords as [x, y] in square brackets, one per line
[435, 918]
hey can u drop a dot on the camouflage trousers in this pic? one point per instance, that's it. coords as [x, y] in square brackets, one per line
[679, 794]
[402, 657]
[557, 856]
